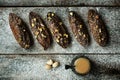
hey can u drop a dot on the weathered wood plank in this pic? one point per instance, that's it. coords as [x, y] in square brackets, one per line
[31, 67]
[110, 16]
[59, 2]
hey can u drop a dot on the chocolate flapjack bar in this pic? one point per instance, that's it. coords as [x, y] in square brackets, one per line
[20, 31]
[78, 28]
[97, 27]
[39, 30]
[58, 30]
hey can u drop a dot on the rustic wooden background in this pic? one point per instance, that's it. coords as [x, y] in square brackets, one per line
[59, 2]
[20, 64]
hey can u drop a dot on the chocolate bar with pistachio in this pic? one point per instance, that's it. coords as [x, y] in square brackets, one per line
[78, 28]
[20, 31]
[97, 27]
[39, 30]
[58, 30]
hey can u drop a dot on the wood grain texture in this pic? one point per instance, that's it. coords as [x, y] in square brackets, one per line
[33, 67]
[110, 15]
[60, 3]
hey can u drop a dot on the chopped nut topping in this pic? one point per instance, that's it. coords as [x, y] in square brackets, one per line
[24, 43]
[33, 24]
[79, 30]
[48, 14]
[60, 23]
[34, 19]
[43, 27]
[52, 32]
[43, 35]
[97, 17]
[56, 30]
[65, 41]
[60, 34]
[84, 35]
[80, 26]
[24, 30]
[58, 37]
[52, 14]
[76, 36]
[99, 40]
[26, 46]
[96, 26]
[71, 13]
[41, 24]
[36, 33]
[80, 33]
[49, 18]
[100, 30]
[57, 40]
[102, 39]
[66, 35]
[40, 29]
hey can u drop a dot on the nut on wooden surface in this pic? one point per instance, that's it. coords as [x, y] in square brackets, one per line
[50, 62]
[58, 30]
[48, 67]
[55, 64]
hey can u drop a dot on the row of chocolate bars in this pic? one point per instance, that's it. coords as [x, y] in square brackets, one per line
[57, 29]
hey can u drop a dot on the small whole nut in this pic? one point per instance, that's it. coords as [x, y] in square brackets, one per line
[50, 62]
[48, 67]
[55, 64]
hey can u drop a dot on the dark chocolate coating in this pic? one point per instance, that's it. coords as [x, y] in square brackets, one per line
[79, 29]
[20, 31]
[58, 30]
[39, 30]
[97, 28]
